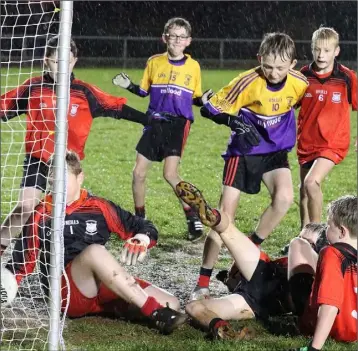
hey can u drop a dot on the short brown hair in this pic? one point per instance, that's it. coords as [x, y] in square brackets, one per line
[344, 212]
[52, 45]
[325, 33]
[278, 44]
[72, 161]
[177, 22]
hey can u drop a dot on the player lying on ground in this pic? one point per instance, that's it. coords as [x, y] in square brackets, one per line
[258, 106]
[324, 120]
[323, 287]
[36, 98]
[314, 233]
[98, 283]
[173, 82]
[260, 288]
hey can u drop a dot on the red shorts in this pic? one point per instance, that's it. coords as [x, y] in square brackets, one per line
[105, 301]
[335, 156]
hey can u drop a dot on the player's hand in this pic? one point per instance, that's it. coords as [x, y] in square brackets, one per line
[135, 249]
[207, 95]
[246, 130]
[122, 80]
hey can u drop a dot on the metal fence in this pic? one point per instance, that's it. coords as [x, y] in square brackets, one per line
[132, 52]
[210, 52]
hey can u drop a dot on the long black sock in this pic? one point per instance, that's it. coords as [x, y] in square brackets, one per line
[300, 285]
[140, 211]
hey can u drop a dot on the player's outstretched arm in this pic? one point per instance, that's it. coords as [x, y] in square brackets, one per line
[14, 102]
[102, 104]
[244, 129]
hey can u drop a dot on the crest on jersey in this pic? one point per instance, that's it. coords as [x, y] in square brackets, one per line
[336, 98]
[91, 227]
[289, 100]
[187, 79]
[74, 108]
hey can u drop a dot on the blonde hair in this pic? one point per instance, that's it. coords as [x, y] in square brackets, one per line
[325, 33]
[344, 212]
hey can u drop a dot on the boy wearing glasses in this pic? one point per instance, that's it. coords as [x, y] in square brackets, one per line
[173, 82]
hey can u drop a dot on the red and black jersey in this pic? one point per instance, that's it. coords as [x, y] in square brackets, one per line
[335, 284]
[37, 98]
[89, 220]
[324, 117]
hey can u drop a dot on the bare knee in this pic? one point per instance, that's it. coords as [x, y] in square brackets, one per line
[91, 252]
[139, 175]
[311, 186]
[170, 175]
[299, 244]
[194, 308]
[283, 200]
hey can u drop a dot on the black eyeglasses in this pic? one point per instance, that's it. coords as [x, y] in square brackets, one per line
[175, 37]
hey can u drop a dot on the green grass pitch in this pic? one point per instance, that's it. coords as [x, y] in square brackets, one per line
[110, 156]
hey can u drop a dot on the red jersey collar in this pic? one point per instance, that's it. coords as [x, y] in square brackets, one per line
[69, 208]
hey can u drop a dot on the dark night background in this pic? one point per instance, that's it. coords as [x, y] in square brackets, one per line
[209, 19]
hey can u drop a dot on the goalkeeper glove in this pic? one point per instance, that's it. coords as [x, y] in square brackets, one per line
[122, 80]
[248, 135]
[207, 95]
[135, 249]
[201, 100]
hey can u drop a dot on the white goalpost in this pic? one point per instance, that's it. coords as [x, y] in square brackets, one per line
[35, 318]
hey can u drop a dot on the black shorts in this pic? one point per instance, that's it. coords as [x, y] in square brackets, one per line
[245, 172]
[35, 173]
[308, 164]
[267, 292]
[164, 139]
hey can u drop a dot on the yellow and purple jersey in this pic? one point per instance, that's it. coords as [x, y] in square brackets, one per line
[172, 85]
[269, 108]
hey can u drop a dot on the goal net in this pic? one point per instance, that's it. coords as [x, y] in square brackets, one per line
[33, 320]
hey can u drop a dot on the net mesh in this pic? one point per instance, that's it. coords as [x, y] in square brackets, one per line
[26, 26]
